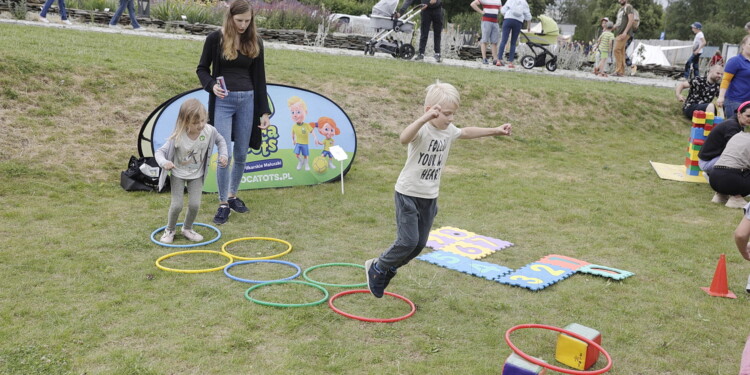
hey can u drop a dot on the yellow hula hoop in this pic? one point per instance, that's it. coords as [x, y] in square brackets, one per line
[285, 252]
[158, 261]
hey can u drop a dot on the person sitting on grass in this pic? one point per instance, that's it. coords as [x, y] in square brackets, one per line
[429, 140]
[731, 173]
[702, 92]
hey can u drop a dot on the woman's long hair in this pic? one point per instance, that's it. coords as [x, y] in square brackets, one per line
[249, 41]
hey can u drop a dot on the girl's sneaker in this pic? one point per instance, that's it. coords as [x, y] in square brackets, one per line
[191, 235]
[168, 236]
[67, 22]
[43, 19]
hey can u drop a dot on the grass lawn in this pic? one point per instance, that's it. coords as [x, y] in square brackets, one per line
[81, 294]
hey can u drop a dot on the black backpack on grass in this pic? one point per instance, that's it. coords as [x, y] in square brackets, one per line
[133, 179]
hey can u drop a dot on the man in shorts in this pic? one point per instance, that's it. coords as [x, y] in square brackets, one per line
[490, 28]
[702, 92]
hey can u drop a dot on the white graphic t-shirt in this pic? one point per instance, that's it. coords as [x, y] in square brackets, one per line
[189, 155]
[426, 157]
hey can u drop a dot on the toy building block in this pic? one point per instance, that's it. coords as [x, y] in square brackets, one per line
[515, 365]
[577, 353]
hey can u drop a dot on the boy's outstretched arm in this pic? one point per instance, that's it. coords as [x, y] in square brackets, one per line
[741, 237]
[410, 132]
[475, 132]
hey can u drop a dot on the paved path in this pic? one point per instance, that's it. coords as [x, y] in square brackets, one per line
[655, 81]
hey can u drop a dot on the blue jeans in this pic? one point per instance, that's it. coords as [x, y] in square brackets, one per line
[121, 9]
[693, 60]
[233, 118]
[510, 26]
[60, 3]
[730, 108]
[414, 217]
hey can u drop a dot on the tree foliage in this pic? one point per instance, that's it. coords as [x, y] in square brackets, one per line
[723, 20]
[587, 15]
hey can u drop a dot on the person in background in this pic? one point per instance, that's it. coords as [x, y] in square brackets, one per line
[731, 173]
[623, 31]
[698, 43]
[490, 28]
[702, 92]
[431, 17]
[604, 47]
[515, 13]
[131, 13]
[716, 59]
[735, 85]
[63, 11]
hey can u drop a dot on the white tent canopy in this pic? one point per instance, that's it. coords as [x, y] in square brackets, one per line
[644, 54]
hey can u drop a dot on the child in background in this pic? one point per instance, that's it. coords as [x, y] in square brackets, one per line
[429, 140]
[604, 47]
[187, 154]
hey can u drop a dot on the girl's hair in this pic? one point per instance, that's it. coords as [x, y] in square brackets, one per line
[327, 120]
[192, 112]
[441, 93]
[249, 40]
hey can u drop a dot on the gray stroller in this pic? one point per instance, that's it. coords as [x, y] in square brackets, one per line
[383, 19]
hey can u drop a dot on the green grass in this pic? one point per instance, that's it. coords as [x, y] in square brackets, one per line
[81, 294]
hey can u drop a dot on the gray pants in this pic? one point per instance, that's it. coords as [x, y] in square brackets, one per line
[195, 189]
[414, 218]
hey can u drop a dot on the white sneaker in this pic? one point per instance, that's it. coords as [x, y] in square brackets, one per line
[736, 202]
[719, 198]
[192, 235]
[43, 19]
[114, 26]
[307, 166]
[168, 236]
[331, 165]
[299, 165]
[67, 22]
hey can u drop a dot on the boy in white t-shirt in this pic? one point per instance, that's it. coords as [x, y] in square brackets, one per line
[698, 43]
[429, 140]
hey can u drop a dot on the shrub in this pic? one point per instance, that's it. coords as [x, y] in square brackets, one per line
[352, 7]
[18, 9]
[195, 11]
[97, 4]
[289, 14]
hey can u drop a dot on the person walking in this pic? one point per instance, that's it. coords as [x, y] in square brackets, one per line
[515, 13]
[131, 13]
[240, 110]
[431, 17]
[623, 30]
[698, 43]
[63, 11]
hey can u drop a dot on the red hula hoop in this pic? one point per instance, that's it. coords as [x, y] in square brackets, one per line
[372, 320]
[555, 368]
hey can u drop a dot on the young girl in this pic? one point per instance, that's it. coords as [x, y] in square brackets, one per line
[327, 128]
[186, 155]
[235, 52]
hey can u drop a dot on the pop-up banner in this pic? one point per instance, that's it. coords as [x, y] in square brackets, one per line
[295, 149]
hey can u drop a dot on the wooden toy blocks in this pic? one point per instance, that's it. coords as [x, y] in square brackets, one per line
[577, 353]
[515, 365]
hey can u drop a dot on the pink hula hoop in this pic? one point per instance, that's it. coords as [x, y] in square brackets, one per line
[555, 368]
[372, 320]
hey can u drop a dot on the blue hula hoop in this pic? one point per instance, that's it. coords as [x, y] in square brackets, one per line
[235, 278]
[218, 235]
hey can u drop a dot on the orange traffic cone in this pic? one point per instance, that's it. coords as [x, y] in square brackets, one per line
[718, 286]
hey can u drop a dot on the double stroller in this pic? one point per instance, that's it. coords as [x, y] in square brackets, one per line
[384, 21]
[539, 41]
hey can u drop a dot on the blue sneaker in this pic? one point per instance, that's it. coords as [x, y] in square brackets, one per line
[222, 215]
[376, 279]
[237, 205]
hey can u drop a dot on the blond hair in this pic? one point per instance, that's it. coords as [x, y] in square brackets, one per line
[295, 100]
[192, 113]
[441, 93]
[249, 42]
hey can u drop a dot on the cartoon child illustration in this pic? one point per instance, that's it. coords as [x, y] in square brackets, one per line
[327, 128]
[300, 131]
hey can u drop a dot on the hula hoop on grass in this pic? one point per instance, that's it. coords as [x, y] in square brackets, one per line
[304, 274]
[555, 368]
[226, 270]
[265, 303]
[218, 235]
[372, 320]
[158, 261]
[289, 247]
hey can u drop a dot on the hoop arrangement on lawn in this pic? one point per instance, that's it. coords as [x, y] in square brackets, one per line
[304, 274]
[289, 247]
[158, 261]
[265, 303]
[226, 270]
[556, 368]
[373, 320]
[218, 235]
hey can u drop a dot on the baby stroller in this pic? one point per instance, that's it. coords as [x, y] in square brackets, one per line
[543, 34]
[384, 21]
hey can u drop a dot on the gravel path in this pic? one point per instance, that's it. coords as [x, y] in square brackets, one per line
[655, 81]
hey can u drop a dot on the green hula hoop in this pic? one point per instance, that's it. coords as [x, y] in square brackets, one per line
[304, 274]
[158, 261]
[325, 298]
[289, 247]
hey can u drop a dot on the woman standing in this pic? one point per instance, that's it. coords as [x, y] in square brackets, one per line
[735, 86]
[515, 12]
[240, 112]
[131, 13]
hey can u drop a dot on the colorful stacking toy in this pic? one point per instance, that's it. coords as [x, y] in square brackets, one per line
[515, 365]
[577, 353]
[703, 123]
